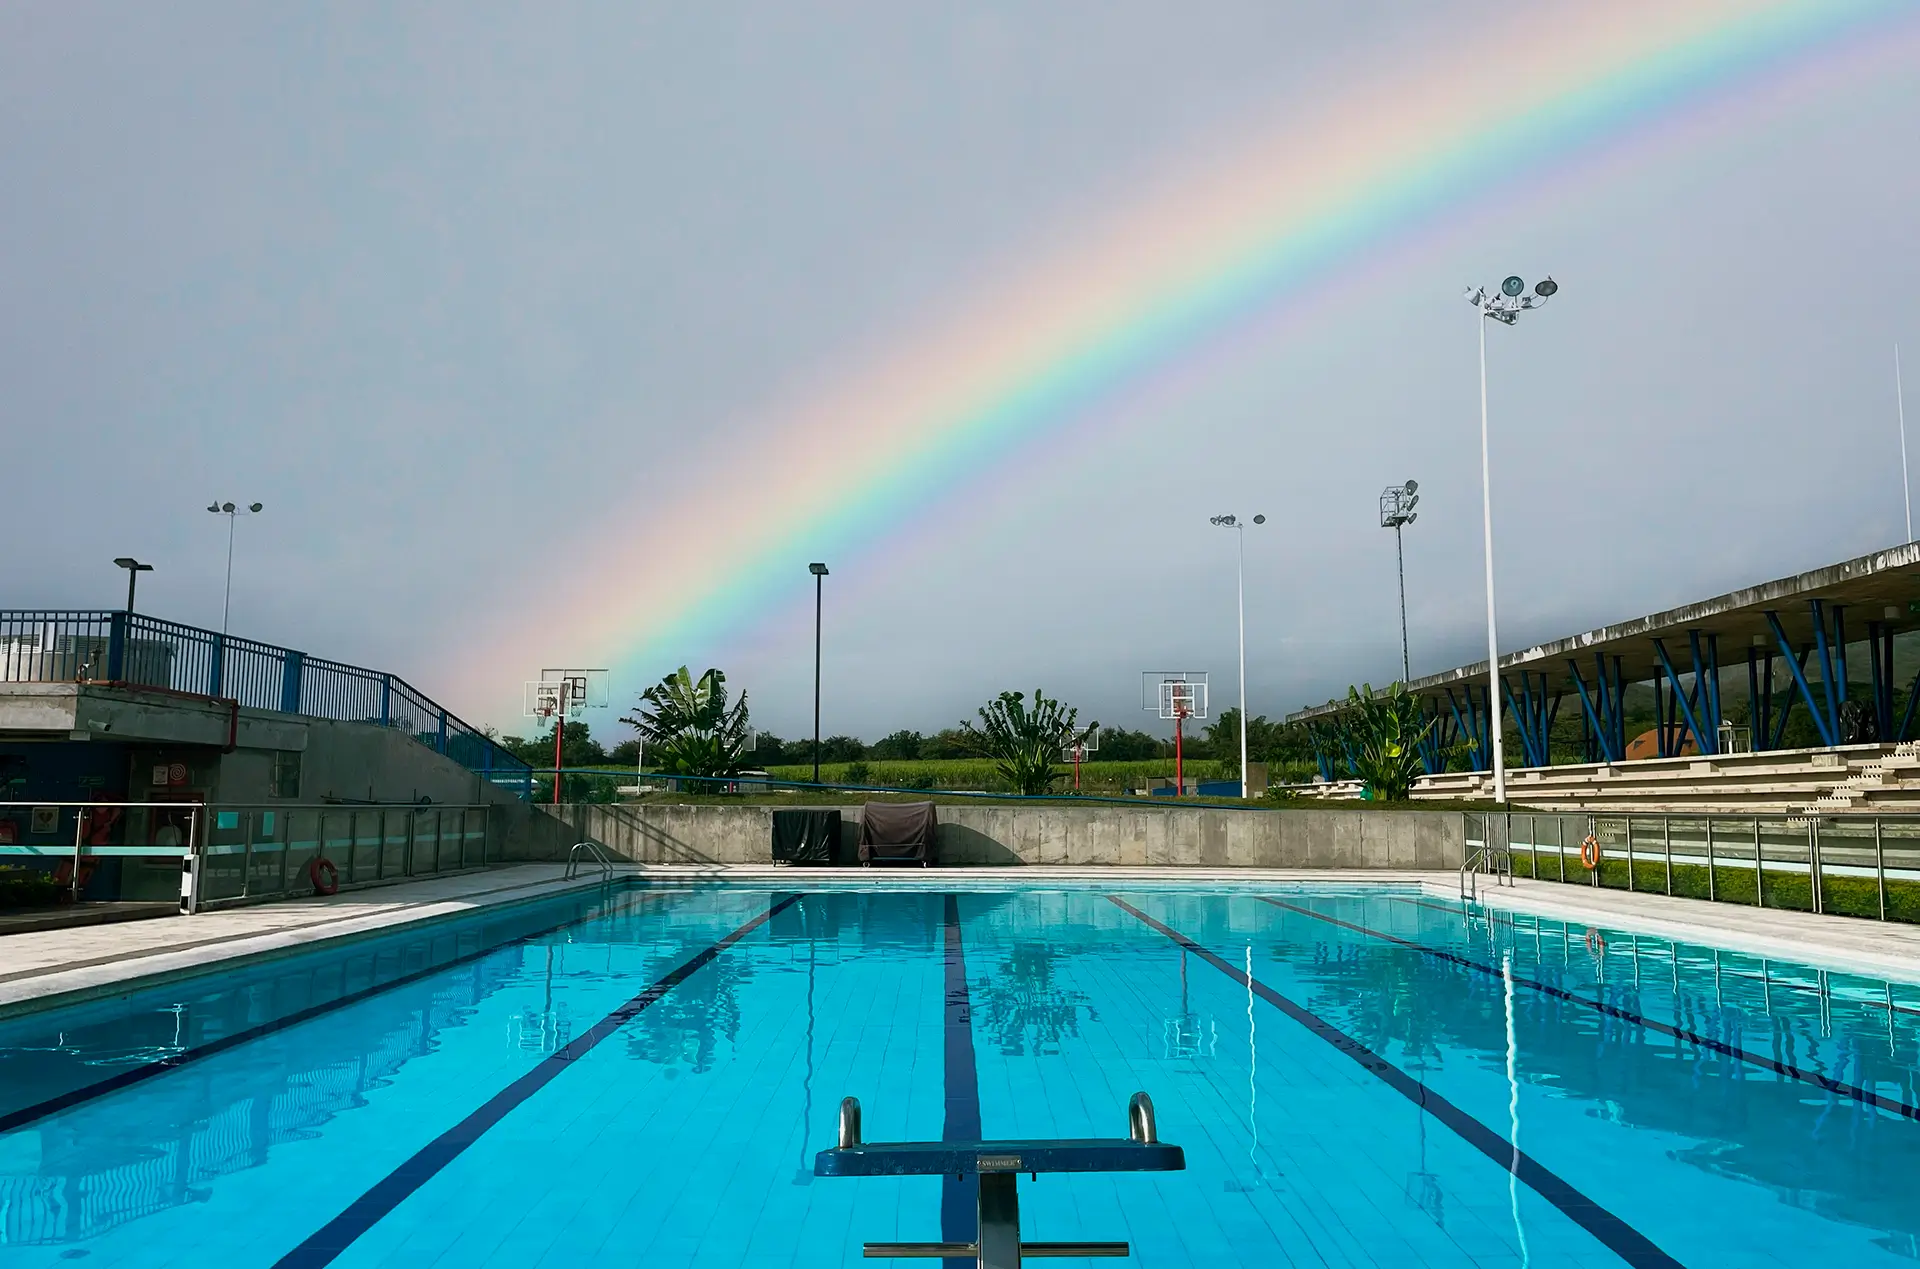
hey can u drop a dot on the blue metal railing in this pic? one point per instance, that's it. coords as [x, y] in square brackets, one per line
[64, 646]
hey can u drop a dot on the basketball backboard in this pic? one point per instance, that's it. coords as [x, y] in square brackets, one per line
[1083, 751]
[1174, 694]
[586, 689]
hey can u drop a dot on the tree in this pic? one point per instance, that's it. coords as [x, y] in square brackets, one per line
[838, 749]
[1026, 742]
[688, 726]
[1117, 744]
[1386, 729]
[948, 742]
[898, 747]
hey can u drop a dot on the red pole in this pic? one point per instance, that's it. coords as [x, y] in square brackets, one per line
[559, 732]
[1179, 772]
[1076, 768]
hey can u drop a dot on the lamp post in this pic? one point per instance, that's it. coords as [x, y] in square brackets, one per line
[232, 513]
[1240, 540]
[1397, 503]
[134, 569]
[1504, 306]
[819, 572]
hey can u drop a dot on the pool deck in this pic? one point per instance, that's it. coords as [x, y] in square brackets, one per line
[1851, 945]
[41, 968]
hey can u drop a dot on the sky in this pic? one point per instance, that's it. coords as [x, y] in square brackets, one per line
[495, 308]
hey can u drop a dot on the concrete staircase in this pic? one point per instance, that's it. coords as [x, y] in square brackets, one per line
[1875, 783]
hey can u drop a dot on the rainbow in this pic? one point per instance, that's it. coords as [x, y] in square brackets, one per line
[1162, 284]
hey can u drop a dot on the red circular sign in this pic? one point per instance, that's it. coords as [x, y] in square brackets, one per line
[177, 773]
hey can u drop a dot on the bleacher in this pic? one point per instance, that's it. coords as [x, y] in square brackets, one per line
[1857, 778]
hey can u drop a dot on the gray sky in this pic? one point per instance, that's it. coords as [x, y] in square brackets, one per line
[454, 288]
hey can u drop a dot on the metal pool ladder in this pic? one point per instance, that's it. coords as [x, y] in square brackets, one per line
[595, 856]
[1496, 861]
[996, 1167]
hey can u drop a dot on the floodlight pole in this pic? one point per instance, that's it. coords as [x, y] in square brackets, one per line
[1505, 306]
[1240, 540]
[232, 513]
[1900, 403]
[1400, 558]
[1486, 528]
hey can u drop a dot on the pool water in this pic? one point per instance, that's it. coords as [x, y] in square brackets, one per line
[1361, 1076]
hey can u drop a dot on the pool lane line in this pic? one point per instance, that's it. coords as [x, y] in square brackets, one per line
[325, 1244]
[1826, 1083]
[959, 1199]
[1614, 1233]
[160, 1066]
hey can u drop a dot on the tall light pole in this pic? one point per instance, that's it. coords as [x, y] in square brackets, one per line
[1240, 540]
[134, 569]
[1505, 306]
[819, 572]
[232, 513]
[1397, 503]
[1900, 403]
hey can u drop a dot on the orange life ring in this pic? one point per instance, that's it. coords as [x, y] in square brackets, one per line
[321, 864]
[1590, 852]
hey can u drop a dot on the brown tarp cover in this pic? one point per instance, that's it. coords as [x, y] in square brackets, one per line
[897, 831]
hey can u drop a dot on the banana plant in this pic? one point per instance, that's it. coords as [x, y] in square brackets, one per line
[1025, 741]
[1386, 729]
[688, 726]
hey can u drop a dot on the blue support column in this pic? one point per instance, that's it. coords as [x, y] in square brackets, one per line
[1821, 720]
[292, 670]
[1786, 710]
[386, 700]
[1881, 685]
[1706, 689]
[217, 667]
[440, 742]
[1840, 659]
[1825, 649]
[1756, 716]
[116, 666]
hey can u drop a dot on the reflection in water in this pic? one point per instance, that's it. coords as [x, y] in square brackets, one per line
[1023, 1009]
[79, 1175]
[683, 1029]
[1810, 1147]
[1513, 1108]
[1187, 1035]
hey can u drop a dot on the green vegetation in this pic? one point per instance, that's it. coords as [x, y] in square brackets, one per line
[983, 775]
[1841, 895]
[1025, 742]
[689, 728]
[28, 888]
[1384, 730]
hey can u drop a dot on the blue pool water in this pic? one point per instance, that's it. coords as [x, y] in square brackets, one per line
[644, 1078]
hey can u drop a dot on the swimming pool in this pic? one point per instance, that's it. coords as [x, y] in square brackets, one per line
[1361, 1076]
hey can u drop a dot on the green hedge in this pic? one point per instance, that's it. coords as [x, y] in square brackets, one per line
[1841, 895]
[27, 888]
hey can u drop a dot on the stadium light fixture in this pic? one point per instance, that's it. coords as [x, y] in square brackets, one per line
[1505, 308]
[134, 569]
[232, 513]
[1397, 503]
[1240, 538]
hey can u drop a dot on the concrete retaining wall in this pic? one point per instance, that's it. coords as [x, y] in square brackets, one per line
[1000, 833]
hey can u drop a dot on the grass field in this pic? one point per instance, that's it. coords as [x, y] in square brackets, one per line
[980, 774]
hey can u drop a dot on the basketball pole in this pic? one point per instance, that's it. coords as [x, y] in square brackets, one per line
[559, 733]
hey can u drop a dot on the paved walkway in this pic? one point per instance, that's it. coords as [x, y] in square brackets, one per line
[95, 960]
[1882, 949]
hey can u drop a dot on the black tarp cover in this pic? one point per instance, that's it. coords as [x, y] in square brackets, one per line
[897, 832]
[806, 837]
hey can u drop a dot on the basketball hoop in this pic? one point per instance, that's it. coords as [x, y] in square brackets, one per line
[554, 695]
[1176, 695]
[1079, 751]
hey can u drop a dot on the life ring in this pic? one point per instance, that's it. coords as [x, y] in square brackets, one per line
[331, 883]
[1590, 852]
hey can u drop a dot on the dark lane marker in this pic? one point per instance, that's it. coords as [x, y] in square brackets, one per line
[959, 1199]
[138, 1074]
[322, 1247]
[1621, 1238]
[1867, 1096]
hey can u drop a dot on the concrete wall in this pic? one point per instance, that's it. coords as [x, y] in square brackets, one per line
[999, 833]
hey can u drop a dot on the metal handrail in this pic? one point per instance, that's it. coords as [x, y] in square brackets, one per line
[1495, 861]
[595, 854]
